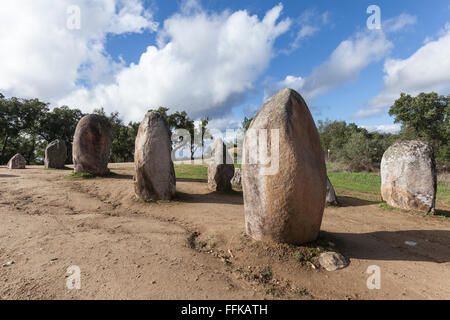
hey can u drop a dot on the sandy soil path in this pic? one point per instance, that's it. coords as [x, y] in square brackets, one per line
[195, 247]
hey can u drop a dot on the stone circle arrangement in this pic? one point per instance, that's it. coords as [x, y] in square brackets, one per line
[284, 207]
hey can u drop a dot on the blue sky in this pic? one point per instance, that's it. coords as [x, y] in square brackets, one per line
[224, 58]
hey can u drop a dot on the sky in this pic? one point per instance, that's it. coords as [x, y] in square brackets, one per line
[223, 59]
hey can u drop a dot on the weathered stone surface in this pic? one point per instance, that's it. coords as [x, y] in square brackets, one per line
[92, 145]
[408, 176]
[286, 205]
[331, 199]
[220, 168]
[236, 181]
[332, 261]
[55, 154]
[155, 174]
[17, 162]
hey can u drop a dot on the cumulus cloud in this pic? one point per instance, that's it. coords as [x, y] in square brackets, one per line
[384, 128]
[41, 57]
[399, 23]
[204, 63]
[344, 65]
[310, 22]
[428, 69]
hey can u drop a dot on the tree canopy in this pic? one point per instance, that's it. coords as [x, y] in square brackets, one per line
[425, 117]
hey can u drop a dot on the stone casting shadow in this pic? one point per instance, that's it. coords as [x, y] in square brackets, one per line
[431, 245]
[119, 176]
[345, 201]
[192, 180]
[8, 176]
[233, 197]
[444, 213]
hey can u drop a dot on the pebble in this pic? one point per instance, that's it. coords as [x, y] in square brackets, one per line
[8, 263]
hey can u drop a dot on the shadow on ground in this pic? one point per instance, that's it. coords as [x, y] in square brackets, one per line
[233, 197]
[191, 180]
[430, 245]
[119, 176]
[345, 201]
[8, 176]
[444, 213]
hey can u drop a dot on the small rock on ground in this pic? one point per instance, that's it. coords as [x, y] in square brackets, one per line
[332, 261]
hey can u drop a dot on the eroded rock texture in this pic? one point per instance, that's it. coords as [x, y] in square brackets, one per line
[92, 145]
[55, 154]
[286, 202]
[155, 174]
[408, 176]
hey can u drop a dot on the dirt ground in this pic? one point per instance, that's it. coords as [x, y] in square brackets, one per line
[195, 247]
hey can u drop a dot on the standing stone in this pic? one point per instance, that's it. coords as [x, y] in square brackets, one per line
[92, 145]
[285, 205]
[236, 181]
[55, 154]
[155, 174]
[17, 162]
[408, 176]
[220, 168]
[331, 198]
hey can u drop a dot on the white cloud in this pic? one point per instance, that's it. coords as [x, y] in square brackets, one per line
[384, 128]
[310, 22]
[428, 69]
[204, 64]
[344, 65]
[399, 23]
[41, 57]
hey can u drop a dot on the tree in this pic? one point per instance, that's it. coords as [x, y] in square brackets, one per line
[124, 136]
[19, 120]
[246, 123]
[180, 120]
[60, 123]
[425, 117]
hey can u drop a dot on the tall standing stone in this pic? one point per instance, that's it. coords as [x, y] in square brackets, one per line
[236, 181]
[92, 145]
[408, 176]
[285, 205]
[331, 199]
[220, 168]
[17, 162]
[55, 154]
[155, 174]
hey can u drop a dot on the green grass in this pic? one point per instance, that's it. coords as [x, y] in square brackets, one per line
[356, 181]
[189, 171]
[364, 182]
[80, 175]
[443, 191]
[369, 182]
[384, 206]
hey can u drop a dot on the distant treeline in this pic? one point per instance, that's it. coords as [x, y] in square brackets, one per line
[28, 125]
[425, 117]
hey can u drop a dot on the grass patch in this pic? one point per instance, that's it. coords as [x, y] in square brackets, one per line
[368, 182]
[356, 181]
[190, 171]
[384, 206]
[80, 175]
[443, 191]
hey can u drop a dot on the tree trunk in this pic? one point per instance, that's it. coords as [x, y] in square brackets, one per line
[5, 141]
